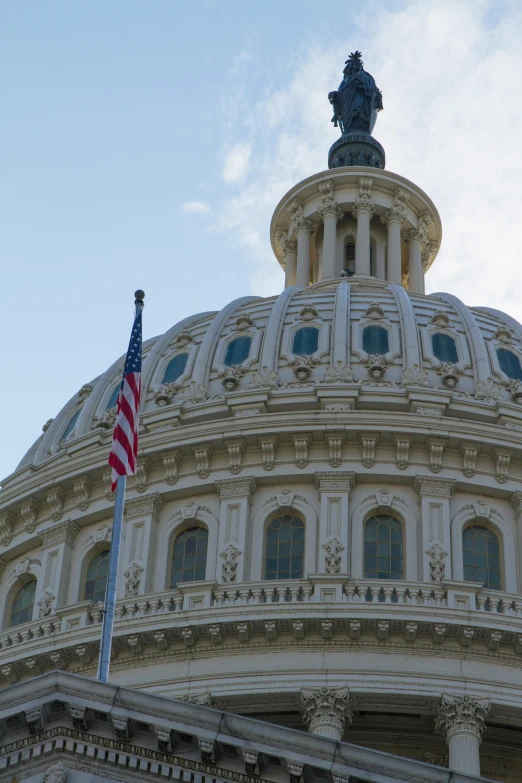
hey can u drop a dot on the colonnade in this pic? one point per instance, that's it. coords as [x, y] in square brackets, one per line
[296, 253]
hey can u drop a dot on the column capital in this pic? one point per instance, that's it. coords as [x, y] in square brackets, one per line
[394, 214]
[434, 486]
[330, 206]
[243, 487]
[363, 205]
[462, 714]
[141, 507]
[428, 254]
[334, 481]
[326, 711]
[288, 248]
[65, 531]
[299, 221]
[332, 210]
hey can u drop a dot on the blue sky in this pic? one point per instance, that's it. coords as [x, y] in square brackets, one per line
[145, 144]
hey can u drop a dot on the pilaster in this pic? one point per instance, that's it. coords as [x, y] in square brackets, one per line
[139, 554]
[334, 491]
[234, 535]
[57, 545]
[435, 494]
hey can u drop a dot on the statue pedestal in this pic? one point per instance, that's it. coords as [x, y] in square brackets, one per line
[356, 148]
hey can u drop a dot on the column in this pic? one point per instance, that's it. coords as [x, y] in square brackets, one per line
[428, 254]
[326, 711]
[136, 575]
[394, 218]
[414, 238]
[331, 213]
[435, 494]
[380, 261]
[363, 213]
[290, 261]
[303, 228]
[57, 545]
[334, 491]
[234, 534]
[461, 719]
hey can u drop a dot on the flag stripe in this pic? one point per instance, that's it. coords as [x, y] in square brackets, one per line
[124, 450]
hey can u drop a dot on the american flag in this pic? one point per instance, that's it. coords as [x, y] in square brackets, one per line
[124, 449]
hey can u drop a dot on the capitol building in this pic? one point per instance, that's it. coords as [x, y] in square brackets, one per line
[320, 575]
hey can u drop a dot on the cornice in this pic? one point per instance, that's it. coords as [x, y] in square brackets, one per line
[434, 486]
[65, 531]
[242, 487]
[335, 481]
[144, 505]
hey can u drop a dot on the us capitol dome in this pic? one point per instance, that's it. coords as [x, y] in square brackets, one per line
[323, 534]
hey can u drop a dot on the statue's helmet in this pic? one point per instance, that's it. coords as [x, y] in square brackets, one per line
[353, 63]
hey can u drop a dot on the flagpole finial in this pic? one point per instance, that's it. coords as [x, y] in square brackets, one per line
[139, 296]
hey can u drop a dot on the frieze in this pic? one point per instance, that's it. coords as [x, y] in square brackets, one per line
[334, 481]
[65, 531]
[243, 487]
[434, 487]
[139, 507]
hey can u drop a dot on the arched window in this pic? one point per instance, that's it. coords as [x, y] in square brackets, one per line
[383, 548]
[189, 556]
[509, 363]
[175, 368]
[481, 556]
[237, 350]
[23, 603]
[375, 340]
[72, 423]
[306, 341]
[96, 579]
[349, 259]
[444, 348]
[113, 399]
[284, 552]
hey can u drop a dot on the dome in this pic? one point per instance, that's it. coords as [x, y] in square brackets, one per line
[324, 528]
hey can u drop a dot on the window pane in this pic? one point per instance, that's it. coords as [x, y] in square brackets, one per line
[67, 431]
[375, 340]
[509, 363]
[175, 368]
[113, 399]
[306, 341]
[444, 348]
[189, 556]
[96, 580]
[237, 350]
[23, 603]
[350, 258]
[389, 561]
[284, 549]
[481, 556]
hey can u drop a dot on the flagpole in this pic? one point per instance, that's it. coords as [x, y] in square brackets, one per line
[104, 659]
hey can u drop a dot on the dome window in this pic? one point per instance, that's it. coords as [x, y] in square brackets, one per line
[349, 259]
[284, 549]
[96, 580]
[509, 363]
[481, 556]
[375, 340]
[189, 556]
[23, 604]
[72, 423]
[444, 348]
[383, 548]
[175, 368]
[238, 350]
[113, 399]
[306, 341]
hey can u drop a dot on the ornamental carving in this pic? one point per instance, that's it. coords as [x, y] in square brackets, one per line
[47, 425]
[204, 699]
[376, 365]
[193, 394]
[415, 376]
[183, 339]
[165, 394]
[132, 580]
[243, 321]
[339, 373]
[374, 311]
[142, 475]
[231, 377]
[333, 557]
[55, 773]
[308, 313]
[82, 490]
[107, 420]
[488, 391]
[459, 714]
[437, 557]
[302, 367]
[299, 221]
[504, 334]
[171, 464]
[229, 566]
[326, 711]
[440, 319]
[268, 452]
[449, 374]
[29, 513]
[265, 378]
[514, 387]
[55, 501]
[330, 205]
[45, 604]
[85, 391]
[7, 521]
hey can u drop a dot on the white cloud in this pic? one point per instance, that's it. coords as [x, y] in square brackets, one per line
[196, 206]
[236, 162]
[451, 74]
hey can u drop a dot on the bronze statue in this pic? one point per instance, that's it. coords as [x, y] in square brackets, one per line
[358, 98]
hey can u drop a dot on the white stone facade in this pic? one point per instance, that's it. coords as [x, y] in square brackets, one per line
[316, 426]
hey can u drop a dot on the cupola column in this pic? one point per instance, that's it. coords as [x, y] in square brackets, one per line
[363, 212]
[331, 213]
[414, 239]
[461, 719]
[290, 260]
[303, 228]
[394, 219]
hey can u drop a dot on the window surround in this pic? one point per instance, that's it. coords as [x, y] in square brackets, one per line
[87, 552]
[464, 362]
[289, 330]
[227, 337]
[190, 349]
[23, 572]
[185, 517]
[484, 515]
[394, 342]
[492, 346]
[281, 512]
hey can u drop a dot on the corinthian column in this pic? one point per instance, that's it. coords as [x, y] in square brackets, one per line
[331, 213]
[417, 238]
[303, 228]
[461, 720]
[394, 218]
[289, 252]
[363, 212]
[326, 711]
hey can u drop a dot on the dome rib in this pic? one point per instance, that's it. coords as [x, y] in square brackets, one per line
[274, 328]
[409, 338]
[481, 366]
[341, 329]
[506, 319]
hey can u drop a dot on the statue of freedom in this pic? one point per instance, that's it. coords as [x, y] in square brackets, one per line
[358, 98]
